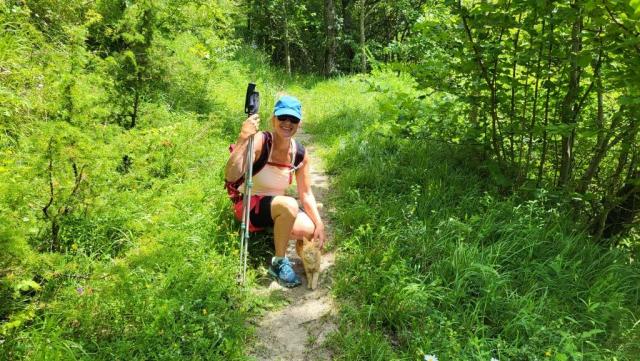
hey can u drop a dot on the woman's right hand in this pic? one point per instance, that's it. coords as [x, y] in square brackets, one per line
[250, 126]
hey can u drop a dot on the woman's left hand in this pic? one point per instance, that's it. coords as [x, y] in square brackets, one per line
[318, 234]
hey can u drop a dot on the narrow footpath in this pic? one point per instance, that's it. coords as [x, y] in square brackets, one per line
[298, 330]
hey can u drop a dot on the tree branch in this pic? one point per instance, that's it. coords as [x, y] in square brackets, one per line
[596, 69]
[478, 56]
[45, 209]
[621, 25]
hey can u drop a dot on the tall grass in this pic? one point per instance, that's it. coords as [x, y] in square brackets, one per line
[147, 263]
[433, 260]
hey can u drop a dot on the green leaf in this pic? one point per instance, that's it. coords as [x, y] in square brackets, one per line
[584, 59]
[591, 333]
[636, 5]
[25, 285]
[588, 132]
[560, 129]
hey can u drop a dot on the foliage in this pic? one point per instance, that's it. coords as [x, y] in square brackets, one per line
[549, 89]
[546, 88]
[274, 25]
[435, 261]
[464, 228]
[116, 238]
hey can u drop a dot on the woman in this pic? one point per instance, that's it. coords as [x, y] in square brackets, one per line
[269, 205]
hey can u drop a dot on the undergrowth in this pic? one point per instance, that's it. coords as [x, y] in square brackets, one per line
[435, 260]
[144, 262]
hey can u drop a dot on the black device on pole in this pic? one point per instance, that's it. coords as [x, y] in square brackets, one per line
[251, 100]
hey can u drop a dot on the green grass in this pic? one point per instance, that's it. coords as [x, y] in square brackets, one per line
[432, 260]
[146, 262]
[148, 268]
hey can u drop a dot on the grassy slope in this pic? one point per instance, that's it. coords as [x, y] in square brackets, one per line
[149, 255]
[433, 261]
[147, 272]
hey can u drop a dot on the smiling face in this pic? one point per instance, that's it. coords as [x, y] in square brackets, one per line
[284, 128]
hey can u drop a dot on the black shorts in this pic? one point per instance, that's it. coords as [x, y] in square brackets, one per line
[263, 218]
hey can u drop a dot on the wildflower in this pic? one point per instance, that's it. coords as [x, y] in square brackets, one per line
[80, 290]
[430, 358]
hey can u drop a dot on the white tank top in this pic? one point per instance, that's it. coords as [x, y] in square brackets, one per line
[274, 178]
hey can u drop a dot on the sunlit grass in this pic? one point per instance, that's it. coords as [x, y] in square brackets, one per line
[148, 258]
[434, 262]
[432, 259]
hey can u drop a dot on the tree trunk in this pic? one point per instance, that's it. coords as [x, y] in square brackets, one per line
[546, 107]
[286, 38]
[623, 215]
[603, 145]
[494, 99]
[569, 105]
[618, 193]
[534, 110]
[490, 84]
[347, 20]
[363, 52]
[603, 137]
[522, 126]
[136, 102]
[620, 212]
[514, 83]
[331, 43]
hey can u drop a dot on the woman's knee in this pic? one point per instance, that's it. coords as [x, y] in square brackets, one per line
[303, 227]
[283, 205]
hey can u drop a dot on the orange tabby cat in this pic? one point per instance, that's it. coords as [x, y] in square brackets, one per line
[311, 257]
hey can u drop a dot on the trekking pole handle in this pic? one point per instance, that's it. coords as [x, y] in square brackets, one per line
[251, 100]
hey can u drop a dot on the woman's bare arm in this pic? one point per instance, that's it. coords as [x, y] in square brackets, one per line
[235, 167]
[308, 200]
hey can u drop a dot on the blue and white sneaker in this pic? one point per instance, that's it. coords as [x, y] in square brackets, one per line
[283, 271]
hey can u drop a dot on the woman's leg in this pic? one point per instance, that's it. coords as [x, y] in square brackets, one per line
[283, 211]
[288, 223]
[302, 227]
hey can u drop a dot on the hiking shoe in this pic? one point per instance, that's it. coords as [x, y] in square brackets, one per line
[284, 273]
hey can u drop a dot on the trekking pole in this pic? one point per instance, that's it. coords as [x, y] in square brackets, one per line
[246, 208]
[251, 106]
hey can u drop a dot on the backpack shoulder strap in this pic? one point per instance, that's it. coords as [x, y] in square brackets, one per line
[267, 140]
[299, 157]
[258, 164]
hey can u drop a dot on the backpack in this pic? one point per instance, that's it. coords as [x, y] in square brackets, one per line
[258, 164]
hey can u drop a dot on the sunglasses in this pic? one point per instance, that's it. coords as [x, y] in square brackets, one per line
[290, 118]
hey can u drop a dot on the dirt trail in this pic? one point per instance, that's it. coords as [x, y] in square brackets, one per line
[298, 330]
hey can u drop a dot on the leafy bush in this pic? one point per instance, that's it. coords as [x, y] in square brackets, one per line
[436, 261]
[117, 243]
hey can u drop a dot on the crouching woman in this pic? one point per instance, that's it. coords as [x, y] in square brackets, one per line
[278, 159]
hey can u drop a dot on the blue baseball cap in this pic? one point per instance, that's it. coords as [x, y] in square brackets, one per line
[288, 105]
